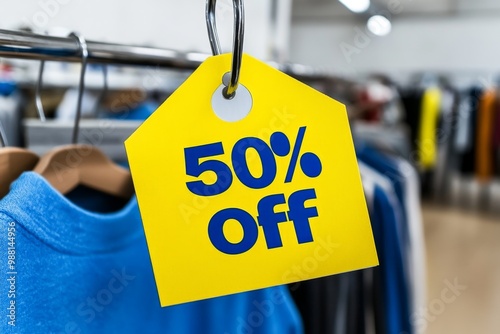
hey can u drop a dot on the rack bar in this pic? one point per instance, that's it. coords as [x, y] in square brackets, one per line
[25, 45]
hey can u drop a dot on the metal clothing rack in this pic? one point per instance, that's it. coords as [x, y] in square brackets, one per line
[30, 46]
[24, 45]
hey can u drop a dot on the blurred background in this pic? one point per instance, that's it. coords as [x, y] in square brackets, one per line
[420, 81]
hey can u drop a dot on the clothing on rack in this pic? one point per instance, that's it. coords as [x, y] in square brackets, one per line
[66, 109]
[382, 299]
[486, 117]
[496, 137]
[467, 157]
[446, 128]
[456, 138]
[412, 101]
[80, 268]
[88, 249]
[391, 237]
[476, 142]
[10, 108]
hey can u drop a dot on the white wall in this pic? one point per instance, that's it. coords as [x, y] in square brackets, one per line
[176, 24]
[465, 43]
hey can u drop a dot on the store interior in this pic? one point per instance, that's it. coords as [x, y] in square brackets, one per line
[420, 81]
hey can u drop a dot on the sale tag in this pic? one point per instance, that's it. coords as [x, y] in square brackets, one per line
[242, 194]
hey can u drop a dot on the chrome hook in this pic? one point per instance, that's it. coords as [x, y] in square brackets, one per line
[239, 30]
[85, 55]
[38, 92]
[38, 89]
[3, 137]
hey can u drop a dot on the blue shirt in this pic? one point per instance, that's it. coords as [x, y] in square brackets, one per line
[391, 234]
[390, 249]
[64, 269]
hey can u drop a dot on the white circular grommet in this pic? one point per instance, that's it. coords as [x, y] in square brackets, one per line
[234, 109]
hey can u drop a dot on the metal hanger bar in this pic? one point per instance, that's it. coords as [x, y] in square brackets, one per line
[24, 45]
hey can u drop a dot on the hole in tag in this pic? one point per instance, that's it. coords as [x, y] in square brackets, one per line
[234, 109]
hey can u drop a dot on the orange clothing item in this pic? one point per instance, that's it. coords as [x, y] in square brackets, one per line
[486, 118]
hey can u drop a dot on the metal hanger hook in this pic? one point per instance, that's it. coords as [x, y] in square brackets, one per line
[38, 92]
[3, 137]
[81, 86]
[238, 36]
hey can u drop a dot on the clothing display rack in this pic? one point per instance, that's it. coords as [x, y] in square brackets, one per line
[25, 45]
[380, 299]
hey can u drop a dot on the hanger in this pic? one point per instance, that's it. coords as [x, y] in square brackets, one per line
[68, 166]
[36, 129]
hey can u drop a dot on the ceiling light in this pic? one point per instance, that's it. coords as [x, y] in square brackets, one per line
[356, 6]
[379, 25]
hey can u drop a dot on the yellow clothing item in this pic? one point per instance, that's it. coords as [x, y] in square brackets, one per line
[427, 139]
[484, 147]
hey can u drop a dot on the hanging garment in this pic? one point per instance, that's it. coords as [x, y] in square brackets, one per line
[412, 101]
[373, 317]
[318, 303]
[136, 113]
[496, 138]
[332, 305]
[417, 266]
[10, 112]
[362, 301]
[389, 169]
[393, 138]
[375, 309]
[485, 119]
[391, 295]
[446, 129]
[468, 157]
[463, 138]
[427, 137]
[349, 315]
[400, 176]
[80, 271]
[394, 299]
[66, 110]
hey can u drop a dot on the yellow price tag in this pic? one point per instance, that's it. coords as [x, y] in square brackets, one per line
[242, 194]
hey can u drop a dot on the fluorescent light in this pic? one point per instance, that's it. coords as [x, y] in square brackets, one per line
[379, 25]
[356, 6]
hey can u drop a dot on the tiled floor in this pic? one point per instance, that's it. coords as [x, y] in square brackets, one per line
[463, 251]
